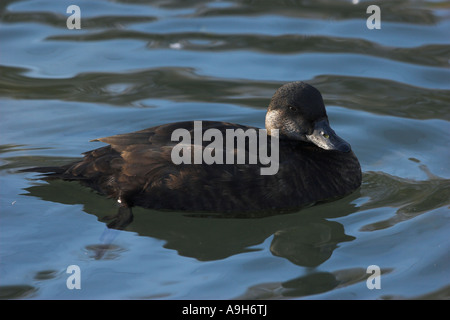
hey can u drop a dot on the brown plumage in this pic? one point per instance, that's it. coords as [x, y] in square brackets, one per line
[137, 169]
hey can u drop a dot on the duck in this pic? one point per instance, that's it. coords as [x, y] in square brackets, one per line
[314, 164]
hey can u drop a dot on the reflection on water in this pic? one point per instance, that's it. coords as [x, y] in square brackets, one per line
[310, 284]
[411, 197]
[17, 291]
[136, 64]
[305, 238]
[183, 84]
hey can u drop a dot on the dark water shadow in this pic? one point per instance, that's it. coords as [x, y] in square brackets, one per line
[306, 238]
[409, 198]
[20, 291]
[308, 285]
[183, 84]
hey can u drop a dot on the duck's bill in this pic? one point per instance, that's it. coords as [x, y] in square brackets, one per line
[324, 137]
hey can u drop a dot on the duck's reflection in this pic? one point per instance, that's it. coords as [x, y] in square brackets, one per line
[313, 283]
[305, 238]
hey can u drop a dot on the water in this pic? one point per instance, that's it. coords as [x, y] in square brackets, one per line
[134, 65]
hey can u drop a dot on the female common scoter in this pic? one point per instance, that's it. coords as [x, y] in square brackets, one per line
[314, 164]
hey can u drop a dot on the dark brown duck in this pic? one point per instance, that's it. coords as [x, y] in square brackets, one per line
[136, 168]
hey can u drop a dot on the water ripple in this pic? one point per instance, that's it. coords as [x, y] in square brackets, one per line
[136, 64]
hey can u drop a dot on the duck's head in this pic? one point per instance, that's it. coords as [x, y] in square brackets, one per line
[298, 112]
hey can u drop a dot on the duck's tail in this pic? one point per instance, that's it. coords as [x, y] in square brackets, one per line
[51, 172]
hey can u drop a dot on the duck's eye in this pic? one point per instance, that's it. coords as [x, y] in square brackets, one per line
[325, 135]
[292, 108]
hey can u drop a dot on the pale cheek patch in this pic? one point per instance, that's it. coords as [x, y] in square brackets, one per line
[272, 119]
[287, 127]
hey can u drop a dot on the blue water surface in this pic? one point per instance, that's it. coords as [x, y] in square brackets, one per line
[134, 65]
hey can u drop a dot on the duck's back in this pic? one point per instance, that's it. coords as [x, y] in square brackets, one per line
[138, 169]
